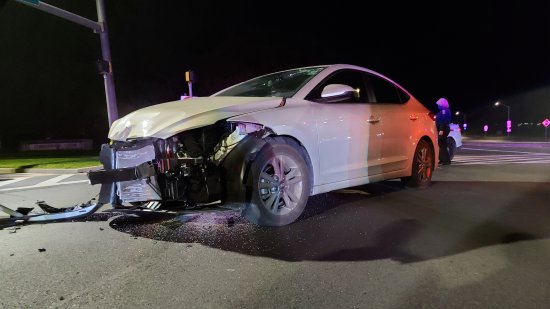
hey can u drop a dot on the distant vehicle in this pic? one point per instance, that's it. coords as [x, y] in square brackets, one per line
[265, 145]
[454, 140]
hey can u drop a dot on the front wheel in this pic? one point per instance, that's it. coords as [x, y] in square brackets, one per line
[280, 184]
[422, 166]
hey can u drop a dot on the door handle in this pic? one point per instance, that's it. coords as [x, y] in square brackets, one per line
[373, 120]
[413, 117]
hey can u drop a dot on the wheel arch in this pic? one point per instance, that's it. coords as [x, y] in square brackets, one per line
[432, 147]
[305, 153]
[417, 167]
[236, 166]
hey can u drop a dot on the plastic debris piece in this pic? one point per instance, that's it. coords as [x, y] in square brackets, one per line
[41, 250]
[49, 209]
[24, 210]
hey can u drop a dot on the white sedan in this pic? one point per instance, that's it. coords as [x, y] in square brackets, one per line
[454, 140]
[267, 144]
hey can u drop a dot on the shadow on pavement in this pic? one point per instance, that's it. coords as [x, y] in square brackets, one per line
[375, 221]
[371, 222]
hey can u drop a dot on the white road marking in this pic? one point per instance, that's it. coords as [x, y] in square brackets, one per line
[8, 182]
[524, 158]
[55, 181]
[494, 150]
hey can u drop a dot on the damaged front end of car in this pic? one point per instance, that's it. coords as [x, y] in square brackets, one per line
[202, 167]
[206, 166]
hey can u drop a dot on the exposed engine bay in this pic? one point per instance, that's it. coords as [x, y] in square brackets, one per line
[184, 170]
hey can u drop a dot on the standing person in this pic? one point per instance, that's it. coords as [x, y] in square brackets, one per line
[443, 122]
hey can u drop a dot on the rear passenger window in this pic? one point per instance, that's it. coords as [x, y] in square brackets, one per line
[403, 95]
[385, 92]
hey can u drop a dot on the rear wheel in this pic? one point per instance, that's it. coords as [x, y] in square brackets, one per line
[280, 184]
[422, 166]
[451, 147]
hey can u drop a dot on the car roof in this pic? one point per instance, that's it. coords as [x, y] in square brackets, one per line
[330, 68]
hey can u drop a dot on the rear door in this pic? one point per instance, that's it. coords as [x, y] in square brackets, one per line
[397, 123]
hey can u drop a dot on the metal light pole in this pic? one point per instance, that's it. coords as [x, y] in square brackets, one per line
[508, 121]
[112, 112]
[99, 27]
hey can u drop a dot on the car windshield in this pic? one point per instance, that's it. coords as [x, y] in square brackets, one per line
[280, 84]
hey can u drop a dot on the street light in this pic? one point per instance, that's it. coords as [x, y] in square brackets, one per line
[508, 121]
[459, 113]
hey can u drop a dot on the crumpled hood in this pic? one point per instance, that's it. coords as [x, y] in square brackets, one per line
[166, 119]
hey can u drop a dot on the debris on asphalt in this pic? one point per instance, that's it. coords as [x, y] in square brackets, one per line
[61, 298]
[49, 209]
[101, 229]
[13, 230]
[12, 254]
[24, 210]
[41, 250]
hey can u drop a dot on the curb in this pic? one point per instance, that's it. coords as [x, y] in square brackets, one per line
[50, 170]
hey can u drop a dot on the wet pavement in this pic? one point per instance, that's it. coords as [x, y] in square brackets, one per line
[477, 237]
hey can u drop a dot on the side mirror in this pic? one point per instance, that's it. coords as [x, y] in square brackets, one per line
[337, 93]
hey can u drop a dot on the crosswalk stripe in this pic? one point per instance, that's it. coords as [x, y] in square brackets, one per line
[9, 182]
[494, 150]
[53, 181]
[42, 185]
[500, 162]
[501, 158]
[525, 158]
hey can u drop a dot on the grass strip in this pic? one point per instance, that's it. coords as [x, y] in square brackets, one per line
[52, 162]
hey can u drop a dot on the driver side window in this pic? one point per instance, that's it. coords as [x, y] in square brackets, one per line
[350, 78]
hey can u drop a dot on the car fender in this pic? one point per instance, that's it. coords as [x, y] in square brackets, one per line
[236, 168]
[295, 119]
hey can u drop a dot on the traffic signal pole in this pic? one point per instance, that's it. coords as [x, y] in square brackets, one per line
[99, 27]
[112, 112]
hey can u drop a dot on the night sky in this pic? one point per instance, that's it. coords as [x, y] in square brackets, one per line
[472, 54]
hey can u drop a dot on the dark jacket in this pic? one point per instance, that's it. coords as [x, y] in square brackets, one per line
[443, 118]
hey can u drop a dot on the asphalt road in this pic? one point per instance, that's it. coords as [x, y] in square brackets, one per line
[478, 237]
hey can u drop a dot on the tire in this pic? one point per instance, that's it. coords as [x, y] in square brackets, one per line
[280, 184]
[451, 147]
[422, 166]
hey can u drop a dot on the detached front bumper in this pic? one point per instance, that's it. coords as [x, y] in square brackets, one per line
[141, 171]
